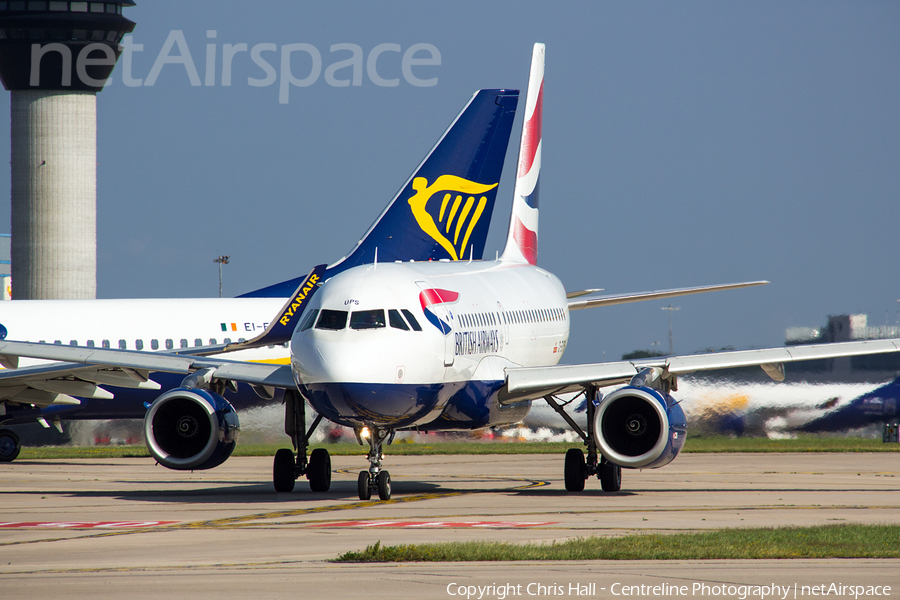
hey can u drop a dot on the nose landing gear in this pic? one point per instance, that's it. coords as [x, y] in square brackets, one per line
[375, 479]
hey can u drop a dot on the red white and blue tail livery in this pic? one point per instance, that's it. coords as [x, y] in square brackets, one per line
[521, 243]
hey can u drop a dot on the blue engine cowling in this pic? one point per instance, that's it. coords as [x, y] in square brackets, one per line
[639, 428]
[191, 429]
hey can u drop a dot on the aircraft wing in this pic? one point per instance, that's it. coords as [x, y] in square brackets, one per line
[58, 383]
[577, 301]
[529, 383]
[81, 368]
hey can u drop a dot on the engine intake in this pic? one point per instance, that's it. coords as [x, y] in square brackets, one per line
[191, 429]
[639, 427]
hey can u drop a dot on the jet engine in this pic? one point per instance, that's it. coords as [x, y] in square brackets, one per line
[191, 428]
[639, 427]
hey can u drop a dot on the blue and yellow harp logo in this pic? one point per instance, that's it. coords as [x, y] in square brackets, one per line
[454, 212]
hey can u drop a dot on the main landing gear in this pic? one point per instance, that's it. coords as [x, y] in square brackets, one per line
[577, 469]
[10, 446]
[288, 467]
[375, 479]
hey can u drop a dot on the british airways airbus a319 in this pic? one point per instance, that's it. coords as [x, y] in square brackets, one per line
[446, 344]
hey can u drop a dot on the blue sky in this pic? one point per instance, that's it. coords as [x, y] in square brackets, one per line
[685, 143]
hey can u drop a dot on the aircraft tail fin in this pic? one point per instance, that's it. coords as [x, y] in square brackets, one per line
[521, 241]
[444, 209]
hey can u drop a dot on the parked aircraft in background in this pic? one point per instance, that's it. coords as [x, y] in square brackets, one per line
[439, 345]
[468, 156]
[721, 406]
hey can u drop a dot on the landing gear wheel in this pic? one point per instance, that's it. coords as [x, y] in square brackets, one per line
[283, 470]
[362, 485]
[384, 485]
[610, 476]
[9, 445]
[574, 470]
[319, 470]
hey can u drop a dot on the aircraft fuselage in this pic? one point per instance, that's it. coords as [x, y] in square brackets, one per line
[425, 344]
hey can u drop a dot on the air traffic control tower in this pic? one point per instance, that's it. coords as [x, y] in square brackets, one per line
[54, 58]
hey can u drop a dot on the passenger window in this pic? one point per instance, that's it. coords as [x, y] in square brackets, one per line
[139, 344]
[212, 341]
[184, 343]
[367, 319]
[334, 320]
[105, 343]
[169, 344]
[198, 342]
[226, 341]
[308, 320]
[73, 342]
[154, 344]
[123, 345]
[412, 320]
[90, 343]
[396, 320]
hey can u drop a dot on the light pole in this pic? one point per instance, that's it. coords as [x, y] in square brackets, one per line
[222, 260]
[671, 310]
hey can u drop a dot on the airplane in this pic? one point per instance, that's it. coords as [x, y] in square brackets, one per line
[772, 409]
[470, 154]
[434, 345]
[878, 406]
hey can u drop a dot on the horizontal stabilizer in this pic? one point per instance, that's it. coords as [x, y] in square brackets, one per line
[592, 301]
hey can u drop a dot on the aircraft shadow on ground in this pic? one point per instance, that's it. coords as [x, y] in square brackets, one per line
[249, 493]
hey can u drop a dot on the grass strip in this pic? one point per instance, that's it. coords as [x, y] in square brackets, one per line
[808, 443]
[829, 541]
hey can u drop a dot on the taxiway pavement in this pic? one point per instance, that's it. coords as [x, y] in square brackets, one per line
[126, 527]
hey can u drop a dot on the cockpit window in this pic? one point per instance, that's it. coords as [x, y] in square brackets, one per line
[412, 320]
[308, 320]
[367, 319]
[396, 320]
[332, 319]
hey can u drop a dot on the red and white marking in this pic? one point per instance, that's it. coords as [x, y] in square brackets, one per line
[437, 524]
[81, 524]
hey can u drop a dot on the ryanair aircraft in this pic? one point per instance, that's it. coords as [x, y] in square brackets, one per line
[451, 343]
[469, 154]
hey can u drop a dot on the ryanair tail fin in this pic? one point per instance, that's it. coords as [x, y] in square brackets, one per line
[444, 209]
[521, 241]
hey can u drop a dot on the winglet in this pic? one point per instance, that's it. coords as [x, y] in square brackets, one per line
[282, 326]
[522, 239]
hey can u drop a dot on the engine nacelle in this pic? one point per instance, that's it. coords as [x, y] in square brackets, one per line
[639, 427]
[188, 429]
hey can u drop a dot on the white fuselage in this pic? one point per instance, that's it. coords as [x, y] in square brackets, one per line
[145, 324]
[360, 360]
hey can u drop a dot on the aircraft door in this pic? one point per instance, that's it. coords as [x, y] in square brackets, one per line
[504, 326]
[435, 304]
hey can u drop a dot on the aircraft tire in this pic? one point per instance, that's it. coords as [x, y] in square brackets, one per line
[283, 470]
[384, 485]
[10, 446]
[574, 470]
[362, 485]
[610, 476]
[319, 470]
